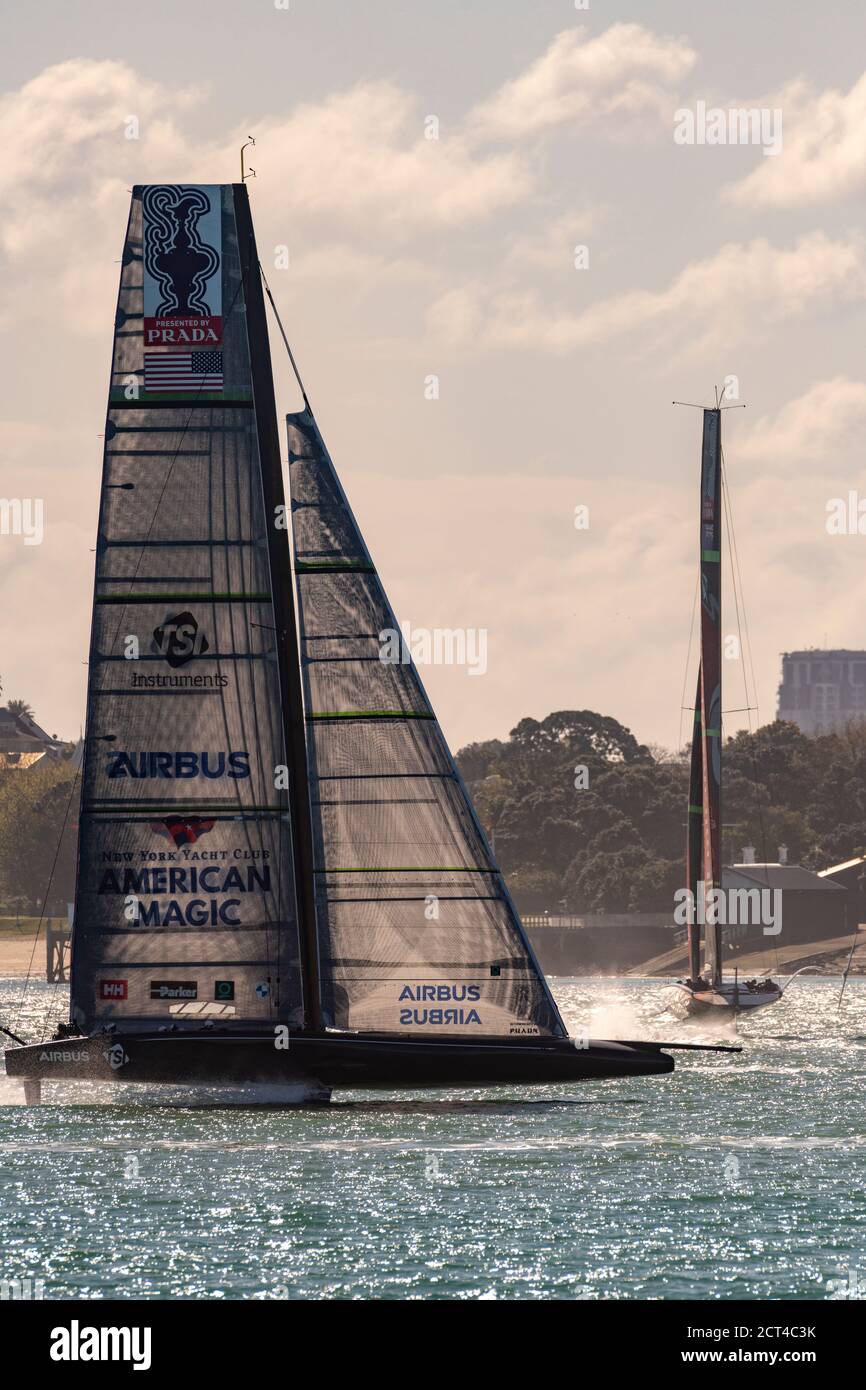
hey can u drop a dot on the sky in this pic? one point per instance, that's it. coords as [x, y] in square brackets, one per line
[456, 258]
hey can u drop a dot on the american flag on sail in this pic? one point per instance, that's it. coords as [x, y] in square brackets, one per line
[183, 371]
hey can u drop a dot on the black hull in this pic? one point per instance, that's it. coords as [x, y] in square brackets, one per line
[331, 1061]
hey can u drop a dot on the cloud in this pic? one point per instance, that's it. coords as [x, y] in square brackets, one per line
[66, 146]
[825, 421]
[358, 155]
[627, 71]
[552, 246]
[824, 149]
[354, 164]
[363, 154]
[719, 299]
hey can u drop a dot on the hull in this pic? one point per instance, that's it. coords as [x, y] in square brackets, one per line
[330, 1061]
[728, 996]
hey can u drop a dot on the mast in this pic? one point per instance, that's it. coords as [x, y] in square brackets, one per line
[284, 612]
[711, 679]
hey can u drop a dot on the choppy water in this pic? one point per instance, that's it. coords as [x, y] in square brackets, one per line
[736, 1177]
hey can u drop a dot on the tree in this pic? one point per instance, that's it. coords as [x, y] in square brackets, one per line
[616, 839]
[20, 707]
[34, 806]
[579, 731]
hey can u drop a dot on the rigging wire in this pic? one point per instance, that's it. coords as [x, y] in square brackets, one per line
[284, 337]
[684, 706]
[738, 586]
[746, 651]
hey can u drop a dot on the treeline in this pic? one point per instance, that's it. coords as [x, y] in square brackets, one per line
[612, 838]
[583, 817]
[38, 834]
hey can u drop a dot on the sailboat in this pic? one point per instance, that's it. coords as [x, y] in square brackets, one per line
[708, 988]
[281, 877]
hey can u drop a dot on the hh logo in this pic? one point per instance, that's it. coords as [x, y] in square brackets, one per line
[113, 989]
[178, 639]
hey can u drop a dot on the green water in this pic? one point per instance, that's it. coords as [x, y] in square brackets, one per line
[736, 1177]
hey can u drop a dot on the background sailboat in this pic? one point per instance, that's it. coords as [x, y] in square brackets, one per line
[707, 987]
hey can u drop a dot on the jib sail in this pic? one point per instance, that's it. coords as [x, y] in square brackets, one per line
[417, 933]
[185, 902]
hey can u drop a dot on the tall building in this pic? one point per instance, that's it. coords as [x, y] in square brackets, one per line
[822, 690]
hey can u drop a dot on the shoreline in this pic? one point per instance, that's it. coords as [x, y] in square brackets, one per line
[24, 953]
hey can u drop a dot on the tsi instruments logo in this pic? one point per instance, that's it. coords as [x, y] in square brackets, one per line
[77, 1343]
[179, 639]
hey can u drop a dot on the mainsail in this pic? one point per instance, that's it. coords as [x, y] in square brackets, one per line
[416, 930]
[186, 895]
[711, 680]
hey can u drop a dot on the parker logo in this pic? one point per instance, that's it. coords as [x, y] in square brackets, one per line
[115, 1057]
[113, 989]
[173, 989]
[179, 639]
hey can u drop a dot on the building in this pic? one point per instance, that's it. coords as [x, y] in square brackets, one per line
[851, 874]
[813, 906]
[822, 690]
[22, 742]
